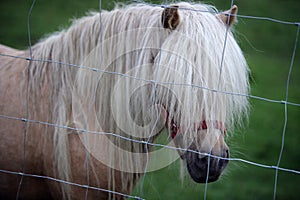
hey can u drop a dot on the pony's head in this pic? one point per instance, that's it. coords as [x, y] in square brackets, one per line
[208, 73]
[178, 68]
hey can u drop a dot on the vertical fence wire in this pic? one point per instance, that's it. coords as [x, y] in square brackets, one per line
[27, 77]
[154, 93]
[286, 110]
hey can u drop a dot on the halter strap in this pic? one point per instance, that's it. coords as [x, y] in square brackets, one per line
[174, 128]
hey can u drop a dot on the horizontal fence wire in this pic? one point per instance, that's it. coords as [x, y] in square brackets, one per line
[153, 81]
[146, 142]
[67, 182]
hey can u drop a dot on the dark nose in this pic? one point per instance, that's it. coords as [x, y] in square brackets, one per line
[198, 165]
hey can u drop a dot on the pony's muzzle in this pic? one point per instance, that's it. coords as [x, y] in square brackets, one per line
[198, 165]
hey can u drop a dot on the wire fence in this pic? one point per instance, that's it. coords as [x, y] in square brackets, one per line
[285, 102]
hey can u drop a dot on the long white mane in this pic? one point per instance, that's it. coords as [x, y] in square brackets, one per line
[126, 72]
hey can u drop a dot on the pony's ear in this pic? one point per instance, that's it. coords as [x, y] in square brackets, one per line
[229, 17]
[170, 17]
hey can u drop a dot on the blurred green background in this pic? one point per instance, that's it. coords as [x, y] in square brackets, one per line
[268, 47]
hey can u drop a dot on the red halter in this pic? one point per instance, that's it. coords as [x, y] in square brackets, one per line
[202, 126]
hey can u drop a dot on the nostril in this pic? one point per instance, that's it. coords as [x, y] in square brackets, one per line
[227, 153]
[204, 159]
[225, 161]
[201, 162]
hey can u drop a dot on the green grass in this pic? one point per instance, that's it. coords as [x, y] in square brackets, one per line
[268, 48]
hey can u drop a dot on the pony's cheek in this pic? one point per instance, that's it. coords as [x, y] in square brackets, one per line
[181, 150]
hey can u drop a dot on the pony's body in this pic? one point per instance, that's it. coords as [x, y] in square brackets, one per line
[39, 155]
[45, 90]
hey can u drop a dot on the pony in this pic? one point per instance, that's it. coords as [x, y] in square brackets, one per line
[85, 105]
